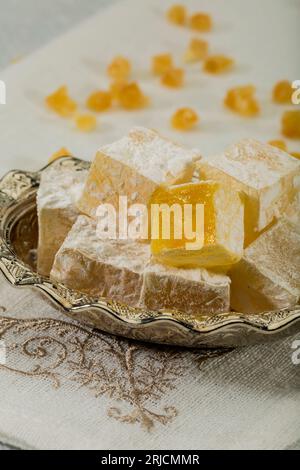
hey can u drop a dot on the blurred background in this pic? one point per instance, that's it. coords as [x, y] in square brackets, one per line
[28, 24]
[46, 44]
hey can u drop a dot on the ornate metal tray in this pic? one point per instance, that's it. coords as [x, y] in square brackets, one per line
[18, 241]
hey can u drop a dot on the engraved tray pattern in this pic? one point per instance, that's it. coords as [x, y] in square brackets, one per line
[18, 241]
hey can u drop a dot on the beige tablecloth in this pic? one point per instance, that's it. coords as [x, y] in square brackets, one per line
[65, 386]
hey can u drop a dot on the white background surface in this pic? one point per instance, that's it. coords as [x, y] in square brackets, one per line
[262, 36]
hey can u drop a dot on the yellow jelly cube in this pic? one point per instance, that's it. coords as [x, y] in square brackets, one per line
[161, 63]
[99, 101]
[291, 124]
[196, 224]
[173, 78]
[177, 14]
[197, 50]
[63, 152]
[85, 122]
[295, 155]
[61, 103]
[184, 119]
[241, 100]
[200, 22]
[280, 144]
[119, 68]
[131, 97]
[218, 64]
[282, 92]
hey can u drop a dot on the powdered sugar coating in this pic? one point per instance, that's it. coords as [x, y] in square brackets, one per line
[150, 154]
[277, 255]
[255, 164]
[268, 276]
[123, 270]
[191, 274]
[193, 291]
[60, 187]
[123, 254]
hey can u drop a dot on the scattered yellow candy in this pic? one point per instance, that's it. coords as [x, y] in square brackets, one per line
[197, 50]
[119, 68]
[116, 87]
[184, 119]
[177, 14]
[218, 64]
[85, 122]
[173, 78]
[295, 155]
[200, 22]
[99, 101]
[61, 103]
[282, 92]
[132, 97]
[291, 124]
[241, 100]
[280, 144]
[161, 63]
[63, 152]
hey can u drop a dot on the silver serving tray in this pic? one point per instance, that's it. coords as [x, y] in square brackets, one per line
[18, 241]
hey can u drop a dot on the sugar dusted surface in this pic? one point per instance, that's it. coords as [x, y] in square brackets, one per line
[193, 274]
[276, 253]
[130, 254]
[120, 253]
[130, 275]
[230, 224]
[150, 154]
[255, 164]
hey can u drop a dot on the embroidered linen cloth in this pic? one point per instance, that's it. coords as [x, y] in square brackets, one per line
[64, 386]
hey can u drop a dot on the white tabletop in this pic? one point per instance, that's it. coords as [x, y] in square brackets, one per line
[35, 24]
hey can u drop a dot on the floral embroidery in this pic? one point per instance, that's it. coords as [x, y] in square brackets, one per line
[130, 374]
